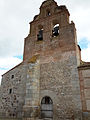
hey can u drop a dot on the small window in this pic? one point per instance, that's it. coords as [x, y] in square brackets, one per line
[48, 13]
[55, 31]
[12, 76]
[40, 35]
[10, 91]
[12, 104]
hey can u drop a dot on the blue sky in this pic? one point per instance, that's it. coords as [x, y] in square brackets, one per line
[15, 16]
[19, 57]
[83, 43]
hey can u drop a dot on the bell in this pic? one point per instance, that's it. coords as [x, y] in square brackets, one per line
[40, 35]
[56, 31]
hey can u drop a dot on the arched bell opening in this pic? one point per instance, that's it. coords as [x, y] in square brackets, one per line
[46, 107]
[40, 33]
[48, 12]
[55, 31]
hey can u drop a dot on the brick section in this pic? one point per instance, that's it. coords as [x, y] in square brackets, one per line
[84, 74]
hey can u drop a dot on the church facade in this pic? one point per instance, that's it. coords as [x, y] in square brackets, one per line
[52, 82]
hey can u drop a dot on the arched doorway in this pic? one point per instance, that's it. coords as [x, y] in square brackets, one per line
[46, 107]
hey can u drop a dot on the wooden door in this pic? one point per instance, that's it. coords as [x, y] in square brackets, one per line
[46, 107]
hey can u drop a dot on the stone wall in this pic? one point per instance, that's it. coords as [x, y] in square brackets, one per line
[13, 92]
[60, 81]
[31, 106]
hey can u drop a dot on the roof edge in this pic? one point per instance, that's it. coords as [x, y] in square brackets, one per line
[12, 68]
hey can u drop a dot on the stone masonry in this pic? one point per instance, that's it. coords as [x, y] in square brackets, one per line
[52, 82]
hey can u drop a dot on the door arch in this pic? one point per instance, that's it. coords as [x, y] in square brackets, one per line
[46, 107]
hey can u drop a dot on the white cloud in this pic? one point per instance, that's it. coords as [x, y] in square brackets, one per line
[8, 63]
[1, 73]
[15, 16]
[86, 54]
[14, 24]
[80, 14]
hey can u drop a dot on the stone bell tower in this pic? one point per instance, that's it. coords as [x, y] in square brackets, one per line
[52, 56]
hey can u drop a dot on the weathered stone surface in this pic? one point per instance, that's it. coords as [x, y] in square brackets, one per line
[59, 81]
[13, 92]
[51, 73]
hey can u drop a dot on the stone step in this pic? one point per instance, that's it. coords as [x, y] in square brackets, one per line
[36, 119]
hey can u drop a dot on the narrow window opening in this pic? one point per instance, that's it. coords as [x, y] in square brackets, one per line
[10, 91]
[48, 13]
[55, 31]
[12, 76]
[40, 35]
[12, 104]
